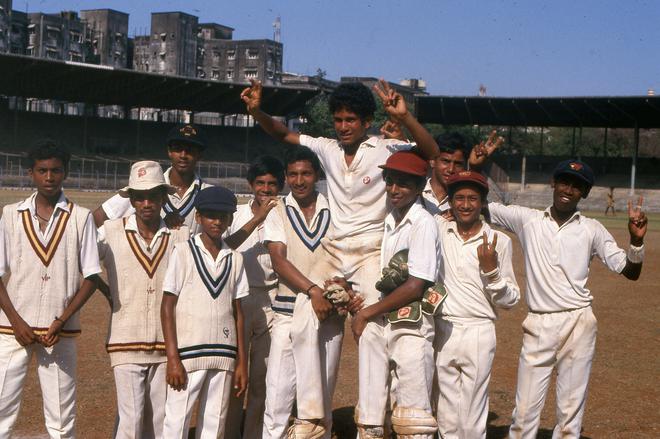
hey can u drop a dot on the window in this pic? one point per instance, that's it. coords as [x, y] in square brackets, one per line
[251, 74]
[231, 54]
[163, 36]
[230, 75]
[216, 55]
[162, 55]
[252, 53]
[270, 74]
[75, 37]
[74, 56]
[215, 74]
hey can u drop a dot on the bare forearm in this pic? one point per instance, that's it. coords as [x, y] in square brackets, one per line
[422, 137]
[99, 216]
[168, 321]
[237, 238]
[409, 291]
[240, 339]
[6, 305]
[289, 274]
[80, 298]
[275, 128]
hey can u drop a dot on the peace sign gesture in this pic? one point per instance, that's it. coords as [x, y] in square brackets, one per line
[393, 102]
[252, 96]
[487, 254]
[637, 222]
[483, 150]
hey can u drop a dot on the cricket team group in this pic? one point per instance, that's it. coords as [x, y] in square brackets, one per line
[241, 309]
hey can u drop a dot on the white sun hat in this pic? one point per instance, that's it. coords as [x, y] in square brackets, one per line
[146, 175]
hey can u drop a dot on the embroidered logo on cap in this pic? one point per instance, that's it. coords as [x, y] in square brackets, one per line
[188, 131]
[141, 172]
[575, 166]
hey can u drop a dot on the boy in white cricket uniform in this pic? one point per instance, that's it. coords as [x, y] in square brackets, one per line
[48, 246]
[477, 272]
[408, 345]
[560, 330]
[292, 234]
[356, 194]
[203, 322]
[185, 144]
[246, 233]
[135, 251]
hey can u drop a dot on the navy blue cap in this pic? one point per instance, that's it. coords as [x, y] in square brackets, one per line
[576, 168]
[216, 199]
[187, 134]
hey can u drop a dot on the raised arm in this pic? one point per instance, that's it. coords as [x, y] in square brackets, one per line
[397, 109]
[637, 224]
[481, 152]
[276, 129]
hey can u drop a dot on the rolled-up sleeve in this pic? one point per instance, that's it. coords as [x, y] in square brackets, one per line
[424, 250]
[89, 252]
[173, 280]
[274, 228]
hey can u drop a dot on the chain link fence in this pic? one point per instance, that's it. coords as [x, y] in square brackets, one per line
[109, 174]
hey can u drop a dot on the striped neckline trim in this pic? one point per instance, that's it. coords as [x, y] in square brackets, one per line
[149, 264]
[188, 204]
[311, 238]
[46, 252]
[213, 285]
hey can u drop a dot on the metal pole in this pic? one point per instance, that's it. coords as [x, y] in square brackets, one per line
[541, 151]
[524, 169]
[633, 171]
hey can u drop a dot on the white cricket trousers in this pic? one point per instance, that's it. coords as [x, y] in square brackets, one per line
[212, 387]
[316, 353]
[280, 379]
[141, 391]
[464, 358]
[257, 324]
[566, 340]
[409, 346]
[56, 369]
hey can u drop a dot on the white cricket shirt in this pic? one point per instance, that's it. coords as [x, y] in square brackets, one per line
[557, 258]
[470, 295]
[418, 233]
[356, 193]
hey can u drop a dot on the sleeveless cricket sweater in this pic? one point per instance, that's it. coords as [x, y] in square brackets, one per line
[303, 249]
[44, 277]
[135, 277]
[205, 325]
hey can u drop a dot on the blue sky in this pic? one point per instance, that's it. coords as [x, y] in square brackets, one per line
[515, 48]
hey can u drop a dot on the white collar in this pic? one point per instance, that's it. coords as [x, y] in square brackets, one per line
[29, 204]
[415, 209]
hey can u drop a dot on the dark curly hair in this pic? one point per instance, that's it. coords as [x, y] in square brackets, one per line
[266, 164]
[46, 149]
[300, 153]
[355, 97]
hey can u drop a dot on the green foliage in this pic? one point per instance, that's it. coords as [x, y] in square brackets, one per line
[318, 118]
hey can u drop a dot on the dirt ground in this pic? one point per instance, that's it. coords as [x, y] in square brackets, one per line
[623, 395]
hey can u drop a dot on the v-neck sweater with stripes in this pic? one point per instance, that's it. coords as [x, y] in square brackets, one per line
[135, 278]
[205, 324]
[41, 289]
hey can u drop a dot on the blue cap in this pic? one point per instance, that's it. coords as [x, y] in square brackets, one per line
[216, 199]
[576, 168]
[187, 134]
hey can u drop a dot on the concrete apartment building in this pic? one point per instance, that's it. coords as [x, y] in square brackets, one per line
[108, 33]
[171, 47]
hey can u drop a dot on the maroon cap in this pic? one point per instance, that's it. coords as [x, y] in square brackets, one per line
[408, 162]
[468, 177]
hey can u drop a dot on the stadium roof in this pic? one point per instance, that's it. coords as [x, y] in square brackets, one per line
[27, 76]
[611, 112]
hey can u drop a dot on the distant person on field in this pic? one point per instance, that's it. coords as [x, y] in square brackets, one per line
[610, 201]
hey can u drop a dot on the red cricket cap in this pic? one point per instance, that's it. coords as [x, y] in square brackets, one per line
[468, 177]
[408, 162]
